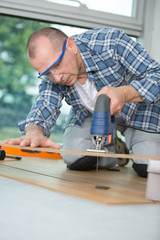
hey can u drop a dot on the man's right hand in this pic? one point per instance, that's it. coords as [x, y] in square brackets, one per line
[34, 138]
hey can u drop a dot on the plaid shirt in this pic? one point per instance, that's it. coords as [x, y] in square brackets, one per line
[111, 59]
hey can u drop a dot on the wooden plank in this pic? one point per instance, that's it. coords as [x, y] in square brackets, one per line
[84, 153]
[124, 186]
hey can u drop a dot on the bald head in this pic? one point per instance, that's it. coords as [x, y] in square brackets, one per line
[55, 36]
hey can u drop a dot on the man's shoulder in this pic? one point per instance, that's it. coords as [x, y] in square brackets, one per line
[97, 34]
[98, 39]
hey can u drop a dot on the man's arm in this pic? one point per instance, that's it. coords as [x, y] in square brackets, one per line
[119, 96]
[137, 61]
[34, 137]
[36, 128]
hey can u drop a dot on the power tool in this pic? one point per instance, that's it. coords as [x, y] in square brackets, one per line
[103, 125]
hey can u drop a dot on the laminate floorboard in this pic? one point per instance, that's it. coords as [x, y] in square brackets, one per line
[125, 187]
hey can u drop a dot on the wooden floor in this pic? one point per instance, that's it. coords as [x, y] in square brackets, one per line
[125, 187]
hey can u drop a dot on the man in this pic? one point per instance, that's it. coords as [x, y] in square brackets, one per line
[81, 68]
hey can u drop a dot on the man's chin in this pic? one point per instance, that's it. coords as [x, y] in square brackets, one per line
[66, 84]
[70, 82]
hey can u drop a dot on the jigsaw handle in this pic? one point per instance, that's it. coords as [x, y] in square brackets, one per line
[102, 104]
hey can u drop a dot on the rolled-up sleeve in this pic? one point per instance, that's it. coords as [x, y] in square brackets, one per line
[138, 62]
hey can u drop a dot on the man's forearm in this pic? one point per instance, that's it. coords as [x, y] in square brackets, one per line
[131, 94]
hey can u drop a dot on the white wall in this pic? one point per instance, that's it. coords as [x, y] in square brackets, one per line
[151, 40]
[155, 37]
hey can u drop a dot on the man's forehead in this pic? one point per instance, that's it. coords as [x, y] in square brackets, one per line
[44, 46]
[42, 41]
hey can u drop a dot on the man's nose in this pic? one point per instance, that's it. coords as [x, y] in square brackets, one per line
[57, 78]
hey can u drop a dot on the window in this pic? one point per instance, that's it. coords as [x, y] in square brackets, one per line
[81, 15]
[121, 7]
[18, 80]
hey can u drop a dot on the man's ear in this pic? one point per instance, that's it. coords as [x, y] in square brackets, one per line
[72, 45]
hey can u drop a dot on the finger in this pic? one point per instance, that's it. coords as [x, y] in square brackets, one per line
[13, 141]
[25, 142]
[43, 142]
[50, 143]
[36, 142]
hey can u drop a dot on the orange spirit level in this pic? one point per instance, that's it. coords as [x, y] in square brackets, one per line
[29, 153]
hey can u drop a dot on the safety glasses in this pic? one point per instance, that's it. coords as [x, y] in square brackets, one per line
[57, 61]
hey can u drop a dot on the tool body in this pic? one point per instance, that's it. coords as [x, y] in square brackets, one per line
[103, 125]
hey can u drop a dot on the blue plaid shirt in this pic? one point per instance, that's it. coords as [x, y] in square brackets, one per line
[111, 59]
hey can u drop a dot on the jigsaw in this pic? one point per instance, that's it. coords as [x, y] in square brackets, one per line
[103, 125]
